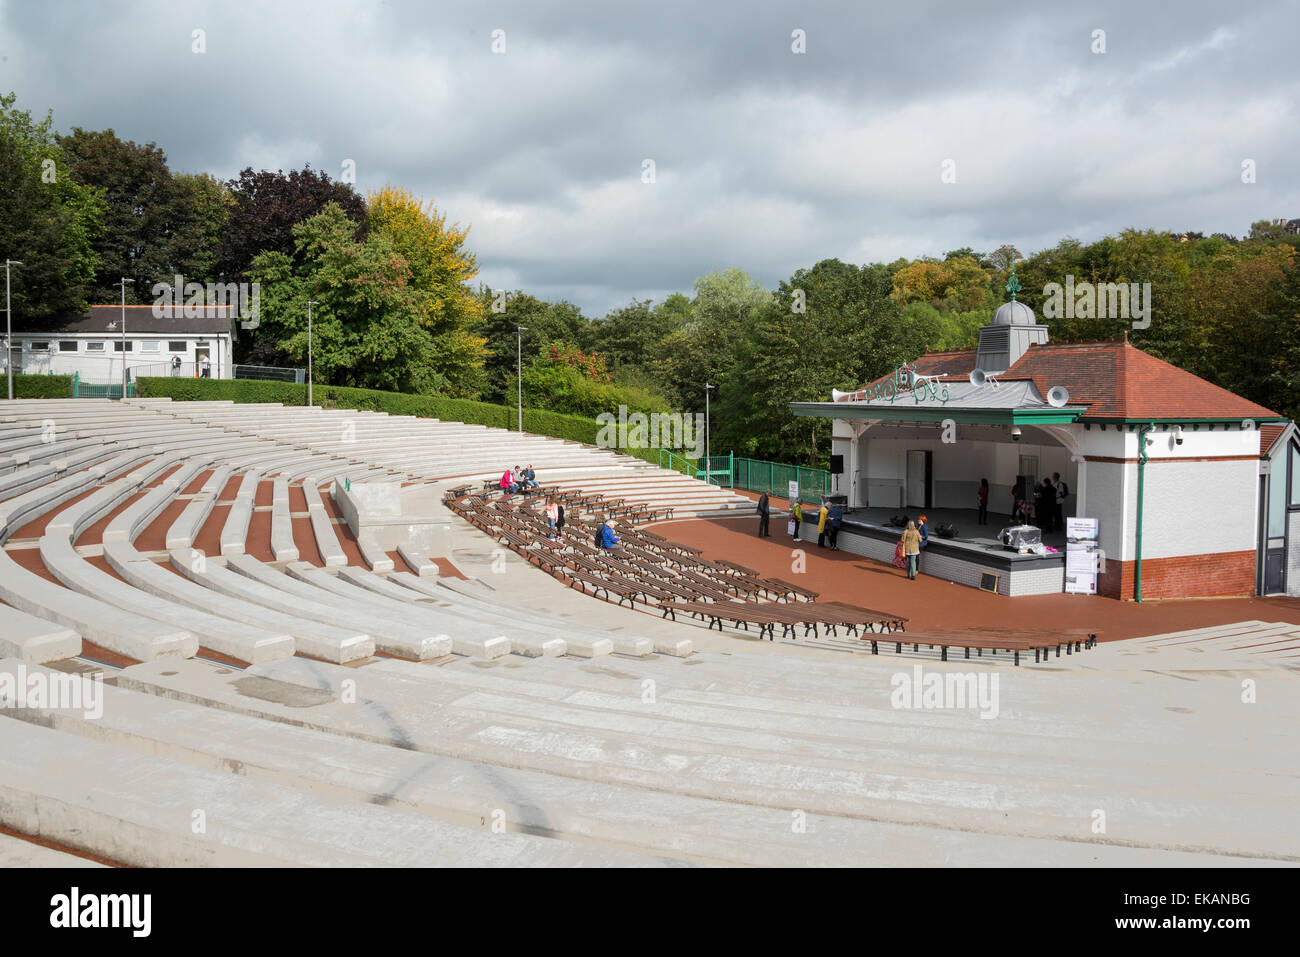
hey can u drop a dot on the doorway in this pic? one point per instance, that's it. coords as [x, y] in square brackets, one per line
[919, 466]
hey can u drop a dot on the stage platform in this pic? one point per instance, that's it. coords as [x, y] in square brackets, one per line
[974, 553]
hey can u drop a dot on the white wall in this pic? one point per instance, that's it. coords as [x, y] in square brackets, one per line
[106, 366]
[1190, 506]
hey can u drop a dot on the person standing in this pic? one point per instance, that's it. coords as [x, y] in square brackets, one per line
[1019, 507]
[821, 526]
[833, 525]
[983, 497]
[176, 365]
[552, 515]
[764, 516]
[911, 549]
[922, 529]
[207, 368]
[1043, 495]
[796, 510]
[1062, 493]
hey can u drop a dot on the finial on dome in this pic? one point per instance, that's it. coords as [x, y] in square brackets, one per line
[1013, 284]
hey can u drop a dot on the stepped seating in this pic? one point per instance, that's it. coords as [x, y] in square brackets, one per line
[351, 712]
[598, 759]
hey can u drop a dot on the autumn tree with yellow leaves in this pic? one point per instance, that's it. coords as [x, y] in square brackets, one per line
[440, 269]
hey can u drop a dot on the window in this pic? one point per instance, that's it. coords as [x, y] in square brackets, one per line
[1295, 474]
[94, 347]
[175, 346]
[67, 345]
[117, 345]
[149, 346]
[39, 347]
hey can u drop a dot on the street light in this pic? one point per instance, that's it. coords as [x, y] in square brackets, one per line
[519, 371]
[310, 303]
[122, 283]
[9, 332]
[708, 465]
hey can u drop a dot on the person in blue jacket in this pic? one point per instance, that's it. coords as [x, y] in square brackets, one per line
[607, 537]
[923, 527]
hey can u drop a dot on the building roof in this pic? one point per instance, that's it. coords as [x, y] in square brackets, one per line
[166, 320]
[1268, 436]
[1114, 380]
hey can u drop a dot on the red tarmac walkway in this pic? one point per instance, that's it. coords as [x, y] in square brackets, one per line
[933, 603]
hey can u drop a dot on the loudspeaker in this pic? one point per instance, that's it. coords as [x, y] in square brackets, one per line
[837, 465]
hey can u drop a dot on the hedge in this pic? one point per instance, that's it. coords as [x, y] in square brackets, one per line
[572, 427]
[28, 386]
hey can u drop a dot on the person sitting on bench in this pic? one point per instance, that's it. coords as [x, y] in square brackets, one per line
[531, 477]
[508, 484]
[608, 540]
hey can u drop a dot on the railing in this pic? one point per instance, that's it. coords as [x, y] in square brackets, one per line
[670, 460]
[758, 475]
[718, 470]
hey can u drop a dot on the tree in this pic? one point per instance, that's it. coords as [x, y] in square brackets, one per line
[849, 332]
[207, 202]
[369, 327]
[266, 207]
[1003, 257]
[544, 322]
[141, 210]
[48, 221]
[440, 270]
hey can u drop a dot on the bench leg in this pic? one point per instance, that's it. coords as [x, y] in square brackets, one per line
[1058, 651]
[1017, 656]
[1069, 648]
[898, 647]
[943, 653]
[968, 651]
[874, 649]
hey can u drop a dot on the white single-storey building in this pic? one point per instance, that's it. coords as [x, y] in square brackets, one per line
[92, 345]
[1194, 490]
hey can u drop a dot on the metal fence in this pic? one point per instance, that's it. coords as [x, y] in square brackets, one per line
[757, 476]
[277, 373]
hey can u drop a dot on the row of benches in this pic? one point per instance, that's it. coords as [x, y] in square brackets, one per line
[676, 578]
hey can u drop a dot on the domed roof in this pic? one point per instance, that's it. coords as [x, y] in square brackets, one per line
[1014, 313]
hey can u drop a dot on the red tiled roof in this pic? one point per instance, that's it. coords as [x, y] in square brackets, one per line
[1268, 435]
[1116, 380]
[1119, 380]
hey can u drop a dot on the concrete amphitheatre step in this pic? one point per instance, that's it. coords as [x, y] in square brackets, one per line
[561, 808]
[731, 764]
[138, 808]
[15, 852]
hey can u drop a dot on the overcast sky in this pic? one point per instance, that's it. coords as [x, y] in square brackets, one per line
[764, 158]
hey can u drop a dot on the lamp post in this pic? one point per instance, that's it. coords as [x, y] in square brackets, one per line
[519, 372]
[122, 283]
[310, 303]
[9, 332]
[708, 465]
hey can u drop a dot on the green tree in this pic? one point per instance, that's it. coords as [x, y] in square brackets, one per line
[369, 327]
[48, 221]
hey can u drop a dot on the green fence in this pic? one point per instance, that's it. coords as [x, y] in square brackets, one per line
[757, 475]
[100, 390]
